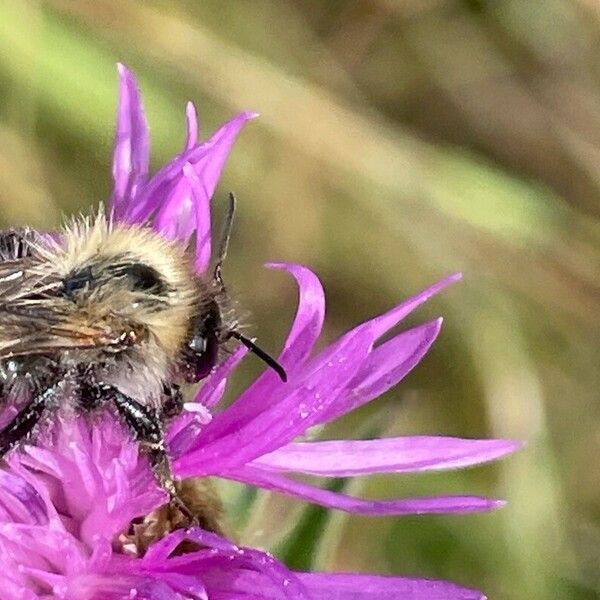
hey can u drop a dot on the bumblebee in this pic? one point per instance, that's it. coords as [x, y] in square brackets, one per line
[108, 316]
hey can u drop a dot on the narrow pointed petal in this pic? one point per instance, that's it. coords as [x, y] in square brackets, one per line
[28, 505]
[392, 455]
[160, 550]
[390, 362]
[209, 164]
[248, 584]
[120, 586]
[305, 331]
[132, 145]
[187, 586]
[186, 211]
[386, 321]
[385, 367]
[16, 589]
[207, 160]
[211, 540]
[310, 315]
[405, 506]
[176, 217]
[207, 171]
[350, 586]
[201, 194]
[380, 325]
[411, 347]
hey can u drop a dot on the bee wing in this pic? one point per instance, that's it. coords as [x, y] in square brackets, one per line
[35, 319]
[15, 279]
[40, 335]
[25, 277]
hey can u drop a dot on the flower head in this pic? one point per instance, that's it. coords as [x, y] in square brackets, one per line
[69, 503]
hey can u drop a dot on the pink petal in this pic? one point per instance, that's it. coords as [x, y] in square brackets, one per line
[188, 587]
[44, 541]
[161, 550]
[350, 586]
[406, 506]
[249, 584]
[385, 367]
[305, 331]
[391, 455]
[52, 580]
[29, 505]
[310, 314]
[118, 586]
[379, 325]
[132, 145]
[207, 160]
[390, 361]
[16, 589]
[385, 322]
[176, 217]
[201, 197]
[211, 540]
[186, 210]
[208, 171]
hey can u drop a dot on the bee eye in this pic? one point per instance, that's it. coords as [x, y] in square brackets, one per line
[199, 357]
[143, 278]
[201, 352]
[136, 276]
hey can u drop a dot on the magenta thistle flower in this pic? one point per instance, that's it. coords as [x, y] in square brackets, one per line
[68, 502]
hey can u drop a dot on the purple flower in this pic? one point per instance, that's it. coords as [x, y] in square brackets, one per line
[68, 503]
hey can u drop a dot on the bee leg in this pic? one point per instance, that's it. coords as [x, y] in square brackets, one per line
[23, 424]
[146, 427]
[172, 401]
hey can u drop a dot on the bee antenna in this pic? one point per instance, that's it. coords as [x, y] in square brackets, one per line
[267, 358]
[225, 237]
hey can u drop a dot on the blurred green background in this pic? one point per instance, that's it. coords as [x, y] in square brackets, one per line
[398, 141]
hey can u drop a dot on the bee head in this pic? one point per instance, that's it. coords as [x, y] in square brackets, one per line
[137, 286]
